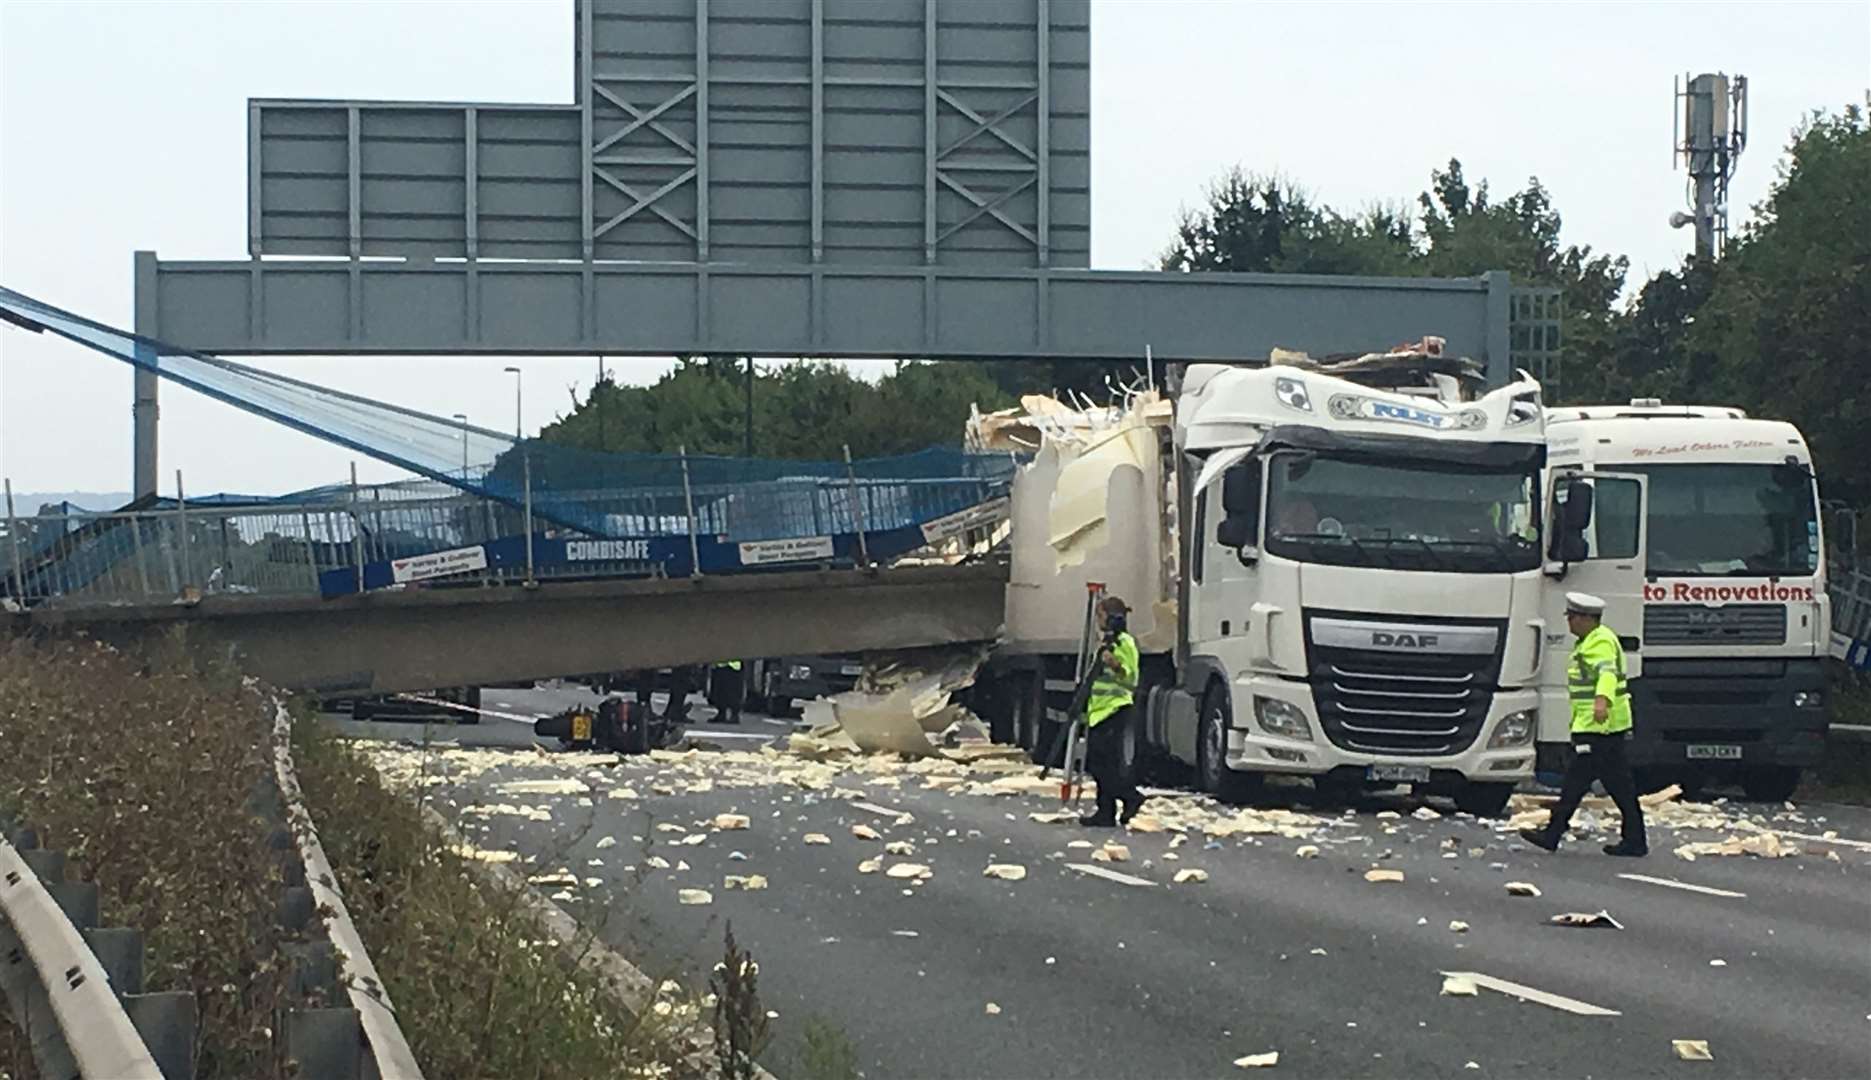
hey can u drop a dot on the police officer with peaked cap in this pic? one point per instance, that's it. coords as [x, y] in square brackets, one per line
[1601, 729]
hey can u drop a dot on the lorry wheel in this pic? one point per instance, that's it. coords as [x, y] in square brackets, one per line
[1770, 783]
[1483, 800]
[1212, 774]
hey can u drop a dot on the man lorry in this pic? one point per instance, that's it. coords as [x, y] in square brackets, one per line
[1335, 571]
[1730, 615]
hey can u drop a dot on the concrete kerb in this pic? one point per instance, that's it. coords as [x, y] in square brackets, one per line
[637, 989]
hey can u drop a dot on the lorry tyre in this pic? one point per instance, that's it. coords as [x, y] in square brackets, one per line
[1483, 800]
[1770, 783]
[1212, 774]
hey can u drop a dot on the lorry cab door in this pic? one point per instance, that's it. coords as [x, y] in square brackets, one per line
[1596, 532]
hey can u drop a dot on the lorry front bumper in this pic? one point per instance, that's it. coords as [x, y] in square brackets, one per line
[1251, 748]
[1719, 714]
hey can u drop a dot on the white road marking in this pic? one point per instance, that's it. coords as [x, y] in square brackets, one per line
[1108, 875]
[881, 811]
[1861, 845]
[1528, 993]
[1674, 884]
[777, 723]
[727, 735]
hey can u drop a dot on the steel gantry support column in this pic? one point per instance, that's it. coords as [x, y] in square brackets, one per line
[143, 408]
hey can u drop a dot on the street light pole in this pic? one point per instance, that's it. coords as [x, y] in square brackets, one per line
[463, 417]
[517, 429]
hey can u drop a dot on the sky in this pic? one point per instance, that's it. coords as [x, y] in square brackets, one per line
[123, 127]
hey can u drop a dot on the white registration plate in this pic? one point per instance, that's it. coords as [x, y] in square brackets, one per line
[1398, 774]
[1711, 752]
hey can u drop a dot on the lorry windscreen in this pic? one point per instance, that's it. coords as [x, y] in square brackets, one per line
[1730, 520]
[1402, 515]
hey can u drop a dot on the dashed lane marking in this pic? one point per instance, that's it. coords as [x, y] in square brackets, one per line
[1528, 993]
[1108, 875]
[1672, 883]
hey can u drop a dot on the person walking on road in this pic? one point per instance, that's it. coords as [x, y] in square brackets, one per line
[1108, 714]
[1601, 731]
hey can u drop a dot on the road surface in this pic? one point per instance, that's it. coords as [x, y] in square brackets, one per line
[1767, 960]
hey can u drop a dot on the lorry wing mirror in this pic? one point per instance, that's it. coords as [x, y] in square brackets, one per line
[1240, 491]
[1235, 532]
[1578, 506]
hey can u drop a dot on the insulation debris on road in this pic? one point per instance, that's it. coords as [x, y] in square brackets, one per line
[1691, 1049]
[1377, 877]
[1189, 876]
[1522, 888]
[1004, 871]
[695, 897]
[1258, 1061]
[1459, 986]
[1586, 918]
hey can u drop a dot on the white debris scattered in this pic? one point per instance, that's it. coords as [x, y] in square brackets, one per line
[992, 1009]
[1318, 952]
[747, 883]
[1378, 877]
[865, 832]
[693, 840]
[816, 838]
[607, 842]
[1424, 813]
[624, 793]
[1258, 1061]
[728, 822]
[670, 826]
[1111, 853]
[905, 933]
[1385, 815]
[657, 862]
[1457, 926]
[1145, 823]
[488, 855]
[1691, 1049]
[1052, 817]
[1522, 888]
[1459, 986]
[681, 865]
[1005, 871]
[1077, 844]
[1718, 963]
[694, 897]
[1586, 918]
[871, 866]
[910, 870]
[1307, 851]
[1190, 875]
[900, 847]
[541, 787]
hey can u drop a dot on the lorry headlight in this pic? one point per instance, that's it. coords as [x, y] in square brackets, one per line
[1515, 729]
[1281, 718]
[1809, 699]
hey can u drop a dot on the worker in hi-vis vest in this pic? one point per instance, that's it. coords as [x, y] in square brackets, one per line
[1601, 729]
[1108, 715]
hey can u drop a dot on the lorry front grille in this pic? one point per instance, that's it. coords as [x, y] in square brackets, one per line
[1420, 703]
[1732, 624]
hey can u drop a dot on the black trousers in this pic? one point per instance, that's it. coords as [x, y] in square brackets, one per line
[1603, 758]
[731, 687]
[1104, 759]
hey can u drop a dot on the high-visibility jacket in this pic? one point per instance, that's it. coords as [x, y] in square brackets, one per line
[1112, 690]
[1597, 670]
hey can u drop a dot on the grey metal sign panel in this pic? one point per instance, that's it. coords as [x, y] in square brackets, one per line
[276, 306]
[874, 132]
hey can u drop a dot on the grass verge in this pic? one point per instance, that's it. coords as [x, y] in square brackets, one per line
[140, 769]
[1845, 774]
[481, 989]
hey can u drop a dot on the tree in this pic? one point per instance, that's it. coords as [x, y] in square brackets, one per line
[1254, 222]
[1786, 325]
[807, 411]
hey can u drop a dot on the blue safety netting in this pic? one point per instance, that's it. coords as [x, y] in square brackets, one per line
[599, 494]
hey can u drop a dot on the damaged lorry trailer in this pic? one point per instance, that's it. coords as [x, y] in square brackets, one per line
[1334, 570]
[1728, 624]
